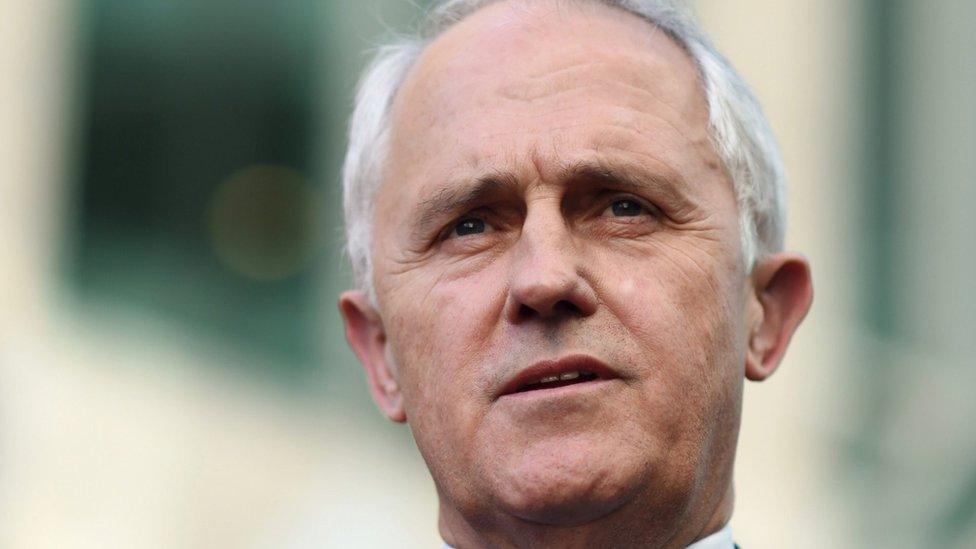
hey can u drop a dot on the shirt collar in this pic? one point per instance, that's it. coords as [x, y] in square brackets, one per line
[719, 540]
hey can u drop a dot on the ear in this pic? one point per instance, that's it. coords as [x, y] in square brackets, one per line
[366, 336]
[783, 291]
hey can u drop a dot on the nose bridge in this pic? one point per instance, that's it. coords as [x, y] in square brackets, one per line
[546, 271]
[546, 244]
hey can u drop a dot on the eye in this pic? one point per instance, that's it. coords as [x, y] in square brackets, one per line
[468, 225]
[627, 207]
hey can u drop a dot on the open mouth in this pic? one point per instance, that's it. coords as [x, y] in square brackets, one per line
[552, 374]
[560, 380]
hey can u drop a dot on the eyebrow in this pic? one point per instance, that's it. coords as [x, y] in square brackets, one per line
[625, 178]
[455, 198]
[463, 196]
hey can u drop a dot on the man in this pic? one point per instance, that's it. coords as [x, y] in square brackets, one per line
[566, 223]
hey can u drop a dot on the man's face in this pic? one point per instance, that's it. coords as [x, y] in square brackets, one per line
[553, 207]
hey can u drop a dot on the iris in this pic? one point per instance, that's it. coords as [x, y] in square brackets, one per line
[626, 208]
[469, 226]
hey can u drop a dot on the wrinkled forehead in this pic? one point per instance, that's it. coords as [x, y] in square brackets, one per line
[517, 59]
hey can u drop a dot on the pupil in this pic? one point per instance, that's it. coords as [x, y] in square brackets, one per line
[470, 226]
[626, 208]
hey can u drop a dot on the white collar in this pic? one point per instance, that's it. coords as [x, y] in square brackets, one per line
[719, 540]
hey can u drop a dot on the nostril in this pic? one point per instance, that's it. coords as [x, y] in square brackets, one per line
[560, 308]
[566, 307]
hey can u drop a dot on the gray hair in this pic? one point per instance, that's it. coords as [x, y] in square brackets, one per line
[738, 129]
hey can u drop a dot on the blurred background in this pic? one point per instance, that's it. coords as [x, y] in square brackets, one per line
[172, 366]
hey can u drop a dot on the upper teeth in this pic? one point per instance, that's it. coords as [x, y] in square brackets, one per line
[560, 377]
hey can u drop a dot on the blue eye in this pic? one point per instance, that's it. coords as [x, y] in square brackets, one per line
[626, 208]
[470, 225]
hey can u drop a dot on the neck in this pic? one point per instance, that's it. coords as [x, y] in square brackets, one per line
[635, 524]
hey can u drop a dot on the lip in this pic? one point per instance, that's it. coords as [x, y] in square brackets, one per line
[563, 365]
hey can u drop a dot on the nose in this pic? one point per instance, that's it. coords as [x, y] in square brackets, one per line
[547, 274]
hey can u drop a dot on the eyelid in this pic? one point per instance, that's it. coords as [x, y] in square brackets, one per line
[652, 209]
[446, 232]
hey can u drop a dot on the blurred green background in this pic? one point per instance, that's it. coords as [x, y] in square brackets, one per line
[196, 180]
[173, 369]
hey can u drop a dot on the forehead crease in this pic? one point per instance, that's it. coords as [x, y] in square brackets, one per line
[625, 75]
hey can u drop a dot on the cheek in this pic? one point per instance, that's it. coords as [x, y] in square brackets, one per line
[682, 322]
[439, 332]
[683, 312]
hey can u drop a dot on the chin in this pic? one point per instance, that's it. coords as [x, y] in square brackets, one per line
[567, 487]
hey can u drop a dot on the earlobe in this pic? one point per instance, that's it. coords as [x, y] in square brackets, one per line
[367, 338]
[783, 290]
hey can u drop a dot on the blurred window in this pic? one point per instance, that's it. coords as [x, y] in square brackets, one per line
[195, 198]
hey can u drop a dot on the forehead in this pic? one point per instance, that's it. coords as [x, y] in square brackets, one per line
[521, 50]
[546, 79]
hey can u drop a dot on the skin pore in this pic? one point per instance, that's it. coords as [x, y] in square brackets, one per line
[552, 195]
